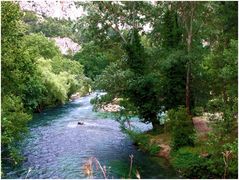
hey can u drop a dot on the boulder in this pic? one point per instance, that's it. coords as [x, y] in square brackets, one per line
[80, 123]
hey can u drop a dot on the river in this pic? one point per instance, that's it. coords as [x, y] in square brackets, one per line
[57, 147]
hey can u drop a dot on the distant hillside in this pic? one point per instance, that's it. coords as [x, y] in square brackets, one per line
[54, 9]
[56, 20]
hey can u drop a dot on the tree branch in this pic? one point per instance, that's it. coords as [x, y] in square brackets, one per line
[116, 28]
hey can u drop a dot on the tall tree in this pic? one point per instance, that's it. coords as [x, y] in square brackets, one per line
[141, 91]
[16, 72]
[172, 61]
[192, 17]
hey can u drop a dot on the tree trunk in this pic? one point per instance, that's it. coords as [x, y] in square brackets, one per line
[188, 83]
[188, 88]
[224, 93]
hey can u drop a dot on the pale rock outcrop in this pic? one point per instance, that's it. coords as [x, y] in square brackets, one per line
[66, 45]
[55, 9]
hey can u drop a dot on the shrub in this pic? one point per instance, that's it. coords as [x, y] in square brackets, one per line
[216, 164]
[215, 105]
[198, 111]
[189, 163]
[233, 159]
[182, 128]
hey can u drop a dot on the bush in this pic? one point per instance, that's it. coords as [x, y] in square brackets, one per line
[233, 159]
[215, 105]
[182, 128]
[216, 165]
[189, 163]
[198, 111]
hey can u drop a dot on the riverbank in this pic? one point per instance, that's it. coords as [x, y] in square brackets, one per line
[155, 144]
[163, 140]
[193, 146]
[158, 143]
[209, 157]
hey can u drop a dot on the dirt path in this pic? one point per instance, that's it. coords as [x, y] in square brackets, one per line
[201, 125]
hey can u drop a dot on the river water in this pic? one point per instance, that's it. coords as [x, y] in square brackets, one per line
[57, 147]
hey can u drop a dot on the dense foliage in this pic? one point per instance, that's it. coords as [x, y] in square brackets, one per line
[181, 128]
[188, 57]
[50, 27]
[96, 57]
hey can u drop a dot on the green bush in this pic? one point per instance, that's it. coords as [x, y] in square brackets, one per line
[189, 163]
[233, 160]
[215, 105]
[215, 164]
[182, 128]
[198, 111]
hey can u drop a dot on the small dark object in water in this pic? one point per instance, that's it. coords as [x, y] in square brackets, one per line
[80, 123]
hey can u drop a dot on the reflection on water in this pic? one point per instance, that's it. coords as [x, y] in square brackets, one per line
[58, 147]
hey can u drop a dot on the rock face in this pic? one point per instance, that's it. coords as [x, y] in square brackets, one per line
[55, 9]
[66, 45]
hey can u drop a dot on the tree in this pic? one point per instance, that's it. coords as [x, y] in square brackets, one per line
[38, 46]
[50, 27]
[170, 56]
[141, 91]
[192, 17]
[220, 64]
[74, 69]
[14, 126]
[17, 69]
[94, 60]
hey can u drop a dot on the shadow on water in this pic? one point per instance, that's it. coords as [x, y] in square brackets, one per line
[57, 147]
